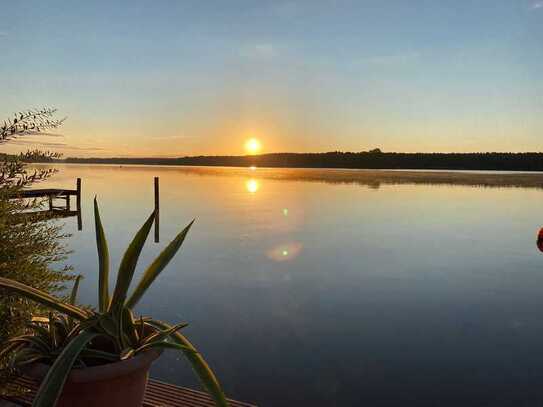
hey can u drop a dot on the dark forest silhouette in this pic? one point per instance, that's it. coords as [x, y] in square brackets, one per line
[374, 159]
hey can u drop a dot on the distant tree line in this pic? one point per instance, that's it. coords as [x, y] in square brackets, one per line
[374, 159]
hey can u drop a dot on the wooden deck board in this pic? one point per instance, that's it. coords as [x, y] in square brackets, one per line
[35, 193]
[157, 394]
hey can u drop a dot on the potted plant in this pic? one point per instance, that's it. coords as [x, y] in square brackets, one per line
[101, 357]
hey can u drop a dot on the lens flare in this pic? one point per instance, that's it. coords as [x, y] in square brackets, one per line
[285, 251]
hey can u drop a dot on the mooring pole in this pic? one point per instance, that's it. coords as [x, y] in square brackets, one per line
[157, 212]
[78, 205]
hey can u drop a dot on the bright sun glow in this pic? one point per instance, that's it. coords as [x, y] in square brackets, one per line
[252, 185]
[252, 146]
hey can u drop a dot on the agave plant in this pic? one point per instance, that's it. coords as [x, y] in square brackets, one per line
[72, 336]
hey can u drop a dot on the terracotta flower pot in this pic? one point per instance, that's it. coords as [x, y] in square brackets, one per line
[115, 384]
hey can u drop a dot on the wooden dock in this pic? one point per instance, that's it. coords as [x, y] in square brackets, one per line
[157, 394]
[51, 194]
[65, 211]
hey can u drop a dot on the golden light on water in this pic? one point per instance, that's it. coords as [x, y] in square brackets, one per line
[253, 146]
[252, 185]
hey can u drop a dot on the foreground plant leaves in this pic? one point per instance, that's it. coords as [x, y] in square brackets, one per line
[52, 385]
[103, 261]
[42, 298]
[157, 266]
[128, 266]
[199, 365]
[63, 337]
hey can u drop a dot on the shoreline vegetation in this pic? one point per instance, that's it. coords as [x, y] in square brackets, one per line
[374, 159]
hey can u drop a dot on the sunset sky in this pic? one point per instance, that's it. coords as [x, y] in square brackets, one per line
[173, 78]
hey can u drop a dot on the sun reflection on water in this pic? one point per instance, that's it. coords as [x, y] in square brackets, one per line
[252, 185]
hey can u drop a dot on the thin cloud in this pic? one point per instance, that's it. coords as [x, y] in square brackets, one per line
[537, 5]
[30, 133]
[62, 146]
[173, 137]
[68, 147]
[37, 143]
[260, 51]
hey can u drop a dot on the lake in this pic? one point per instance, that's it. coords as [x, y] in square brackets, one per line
[336, 288]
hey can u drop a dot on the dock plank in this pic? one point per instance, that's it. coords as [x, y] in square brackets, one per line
[157, 394]
[37, 193]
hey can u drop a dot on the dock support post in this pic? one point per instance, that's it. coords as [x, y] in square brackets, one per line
[50, 202]
[78, 205]
[157, 211]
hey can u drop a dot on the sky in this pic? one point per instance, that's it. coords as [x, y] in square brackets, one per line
[176, 78]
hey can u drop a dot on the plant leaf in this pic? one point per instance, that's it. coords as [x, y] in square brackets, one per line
[108, 325]
[73, 294]
[8, 347]
[199, 365]
[98, 354]
[157, 266]
[160, 335]
[127, 353]
[43, 298]
[32, 340]
[165, 345]
[103, 261]
[128, 265]
[129, 327]
[52, 385]
[40, 320]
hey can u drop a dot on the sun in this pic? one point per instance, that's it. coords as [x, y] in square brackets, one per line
[253, 146]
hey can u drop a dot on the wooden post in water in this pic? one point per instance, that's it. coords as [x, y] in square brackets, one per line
[78, 205]
[157, 212]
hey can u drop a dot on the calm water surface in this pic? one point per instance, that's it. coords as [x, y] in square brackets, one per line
[305, 292]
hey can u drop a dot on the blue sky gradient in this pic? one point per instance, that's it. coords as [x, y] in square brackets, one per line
[169, 78]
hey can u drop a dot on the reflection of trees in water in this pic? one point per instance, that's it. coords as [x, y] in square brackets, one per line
[373, 179]
[374, 185]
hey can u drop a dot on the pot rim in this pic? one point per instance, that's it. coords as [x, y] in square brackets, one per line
[102, 372]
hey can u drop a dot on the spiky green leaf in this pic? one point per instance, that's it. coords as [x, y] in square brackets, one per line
[33, 341]
[9, 347]
[103, 261]
[42, 298]
[73, 294]
[98, 354]
[164, 345]
[128, 266]
[51, 387]
[163, 334]
[201, 368]
[129, 327]
[157, 266]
